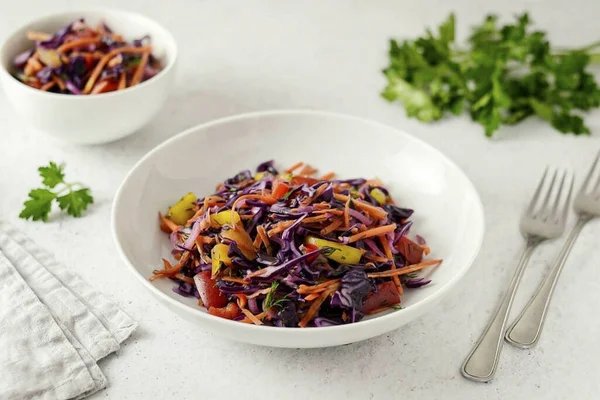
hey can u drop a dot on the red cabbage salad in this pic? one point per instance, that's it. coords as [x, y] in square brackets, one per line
[80, 59]
[292, 250]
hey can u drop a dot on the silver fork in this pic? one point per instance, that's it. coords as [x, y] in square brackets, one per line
[543, 220]
[525, 331]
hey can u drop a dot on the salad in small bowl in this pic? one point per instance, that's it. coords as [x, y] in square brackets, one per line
[88, 76]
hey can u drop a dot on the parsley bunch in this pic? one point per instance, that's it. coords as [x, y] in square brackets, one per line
[71, 197]
[507, 74]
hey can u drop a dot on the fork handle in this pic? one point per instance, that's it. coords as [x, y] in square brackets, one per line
[482, 361]
[525, 331]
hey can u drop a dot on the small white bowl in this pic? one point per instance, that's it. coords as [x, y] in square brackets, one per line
[448, 211]
[98, 118]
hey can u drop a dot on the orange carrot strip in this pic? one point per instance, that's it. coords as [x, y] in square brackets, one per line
[59, 82]
[168, 223]
[122, 82]
[307, 170]
[331, 211]
[389, 255]
[328, 176]
[78, 43]
[236, 280]
[258, 316]
[376, 212]
[312, 296]
[242, 300]
[280, 227]
[259, 292]
[318, 218]
[380, 230]
[102, 63]
[252, 317]
[347, 214]
[314, 307]
[303, 289]
[331, 227]
[38, 36]
[262, 233]
[405, 270]
[48, 86]
[257, 241]
[295, 166]
[139, 72]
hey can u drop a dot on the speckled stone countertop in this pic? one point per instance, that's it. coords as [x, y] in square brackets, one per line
[238, 56]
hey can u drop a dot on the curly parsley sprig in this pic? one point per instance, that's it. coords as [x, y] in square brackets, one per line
[73, 198]
[507, 74]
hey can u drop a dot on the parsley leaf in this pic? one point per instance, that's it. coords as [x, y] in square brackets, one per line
[75, 202]
[38, 206]
[52, 175]
[71, 197]
[507, 74]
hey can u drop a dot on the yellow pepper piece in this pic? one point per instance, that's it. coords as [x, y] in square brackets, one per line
[224, 218]
[183, 210]
[242, 239]
[219, 256]
[341, 253]
[258, 176]
[379, 196]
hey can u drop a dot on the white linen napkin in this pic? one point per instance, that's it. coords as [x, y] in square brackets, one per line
[55, 325]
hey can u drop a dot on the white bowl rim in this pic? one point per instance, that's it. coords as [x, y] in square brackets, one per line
[99, 10]
[225, 323]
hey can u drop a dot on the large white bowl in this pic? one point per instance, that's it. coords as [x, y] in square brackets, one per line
[448, 213]
[91, 118]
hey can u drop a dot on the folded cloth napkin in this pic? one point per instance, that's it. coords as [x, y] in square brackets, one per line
[56, 327]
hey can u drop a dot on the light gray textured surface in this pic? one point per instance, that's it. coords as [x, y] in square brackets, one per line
[243, 56]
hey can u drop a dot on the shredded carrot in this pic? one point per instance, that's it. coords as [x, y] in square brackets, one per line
[318, 218]
[99, 87]
[168, 223]
[389, 255]
[38, 36]
[252, 317]
[331, 211]
[328, 176]
[294, 167]
[347, 214]
[259, 292]
[167, 272]
[59, 82]
[331, 227]
[375, 212]
[312, 296]
[264, 237]
[242, 300]
[257, 241]
[307, 170]
[380, 230]
[122, 82]
[139, 72]
[314, 307]
[426, 249]
[102, 63]
[303, 289]
[280, 227]
[78, 43]
[405, 270]
[48, 86]
[236, 280]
